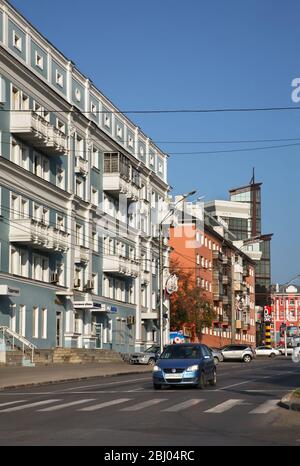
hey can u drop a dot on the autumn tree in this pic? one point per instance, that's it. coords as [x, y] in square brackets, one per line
[189, 306]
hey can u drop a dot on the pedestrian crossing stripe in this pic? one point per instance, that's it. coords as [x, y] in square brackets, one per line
[223, 407]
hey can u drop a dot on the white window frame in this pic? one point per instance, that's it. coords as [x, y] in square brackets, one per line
[17, 41]
[44, 318]
[39, 60]
[35, 322]
[22, 320]
[59, 78]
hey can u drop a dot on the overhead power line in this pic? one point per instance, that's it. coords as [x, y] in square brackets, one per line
[176, 110]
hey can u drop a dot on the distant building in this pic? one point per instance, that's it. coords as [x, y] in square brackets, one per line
[286, 310]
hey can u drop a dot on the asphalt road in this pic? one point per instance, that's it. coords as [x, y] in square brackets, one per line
[125, 410]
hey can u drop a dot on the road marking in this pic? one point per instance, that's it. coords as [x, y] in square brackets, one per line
[144, 404]
[66, 405]
[236, 384]
[221, 408]
[266, 407]
[181, 406]
[30, 405]
[12, 402]
[105, 404]
[105, 384]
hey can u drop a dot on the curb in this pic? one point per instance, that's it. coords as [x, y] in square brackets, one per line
[290, 402]
[73, 379]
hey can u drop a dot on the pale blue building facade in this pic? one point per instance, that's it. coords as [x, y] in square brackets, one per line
[80, 194]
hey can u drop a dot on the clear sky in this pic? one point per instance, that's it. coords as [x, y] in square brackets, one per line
[170, 54]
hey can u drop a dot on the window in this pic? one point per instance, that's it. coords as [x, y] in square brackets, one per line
[78, 94]
[79, 188]
[79, 147]
[16, 96]
[107, 121]
[44, 323]
[17, 41]
[198, 281]
[119, 132]
[95, 241]
[12, 318]
[25, 102]
[39, 60]
[61, 126]
[59, 79]
[60, 177]
[79, 235]
[198, 259]
[130, 141]
[94, 196]
[160, 167]
[95, 158]
[35, 322]
[15, 214]
[22, 320]
[93, 108]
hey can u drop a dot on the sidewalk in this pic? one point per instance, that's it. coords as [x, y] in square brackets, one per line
[291, 400]
[16, 377]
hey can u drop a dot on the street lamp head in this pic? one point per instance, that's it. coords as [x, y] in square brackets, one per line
[190, 193]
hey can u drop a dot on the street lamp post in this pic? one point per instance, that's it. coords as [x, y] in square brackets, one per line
[161, 270]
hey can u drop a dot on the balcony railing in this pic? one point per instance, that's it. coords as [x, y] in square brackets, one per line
[81, 166]
[38, 235]
[115, 183]
[33, 128]
[81, 254]
[120, 265]
[217, 255]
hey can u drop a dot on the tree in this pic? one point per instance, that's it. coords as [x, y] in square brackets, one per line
[189, 307]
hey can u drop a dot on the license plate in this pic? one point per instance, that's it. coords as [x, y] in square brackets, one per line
[173, 376]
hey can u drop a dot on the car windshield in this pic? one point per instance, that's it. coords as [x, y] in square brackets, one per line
[152, 349]
[181, 352]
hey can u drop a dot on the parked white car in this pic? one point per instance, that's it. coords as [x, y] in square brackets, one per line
[267, 351]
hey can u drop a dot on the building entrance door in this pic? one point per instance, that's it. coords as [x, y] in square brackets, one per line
[58, 329]
[99, 335]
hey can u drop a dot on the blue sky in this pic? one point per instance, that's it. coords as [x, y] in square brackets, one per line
[197, 54]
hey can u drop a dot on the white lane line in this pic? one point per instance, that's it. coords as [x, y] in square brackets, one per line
[222, 407]
[105, 384]
[144, 404]
[105, 404]
[266, 407]
[12, 402]
[182, 406]
[66, 405]
[30, 405]
[236, 384]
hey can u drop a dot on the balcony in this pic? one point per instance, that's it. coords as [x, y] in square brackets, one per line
[35, 130]
[237, 286]
[149, 315]
[81, 166]
[116, 184]
[225, 299]
[38, 235]
[217, 255]
[120, 265]
[245, 326]
[225, 280]
[238, 324]
[81, 254]
[225, 319]
[217, 296]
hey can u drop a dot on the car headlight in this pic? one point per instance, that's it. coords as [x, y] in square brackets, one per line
[156, 369]
[193, 368]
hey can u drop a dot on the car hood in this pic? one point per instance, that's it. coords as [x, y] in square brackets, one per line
[178, 363]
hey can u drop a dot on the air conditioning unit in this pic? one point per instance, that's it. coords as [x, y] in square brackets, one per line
[89, 285]
[130, 320]
[77, 283]
[54, 278]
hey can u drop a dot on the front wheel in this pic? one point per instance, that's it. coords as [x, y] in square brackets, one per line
[216, 360]
[272, 355]
[151, 362]
[213, 381]
[201, 383]
[156, 386]
[247, 358]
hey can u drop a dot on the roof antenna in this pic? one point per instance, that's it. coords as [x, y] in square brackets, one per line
[252, 181]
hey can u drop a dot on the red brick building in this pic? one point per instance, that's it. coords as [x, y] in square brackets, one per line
[225, 277]
[285, 310]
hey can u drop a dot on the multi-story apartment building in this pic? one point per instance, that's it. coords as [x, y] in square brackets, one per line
[285, 310]
[223, 273]
[81, 189]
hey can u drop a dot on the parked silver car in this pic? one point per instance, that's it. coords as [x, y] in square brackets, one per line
[217, 355]
[238, 352]
[149, 356]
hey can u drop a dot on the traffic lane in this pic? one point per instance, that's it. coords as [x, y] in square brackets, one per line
[152, 425]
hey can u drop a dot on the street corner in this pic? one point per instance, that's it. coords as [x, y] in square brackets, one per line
[291, 401]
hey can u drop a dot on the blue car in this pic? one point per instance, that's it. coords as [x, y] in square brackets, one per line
[185, 364]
